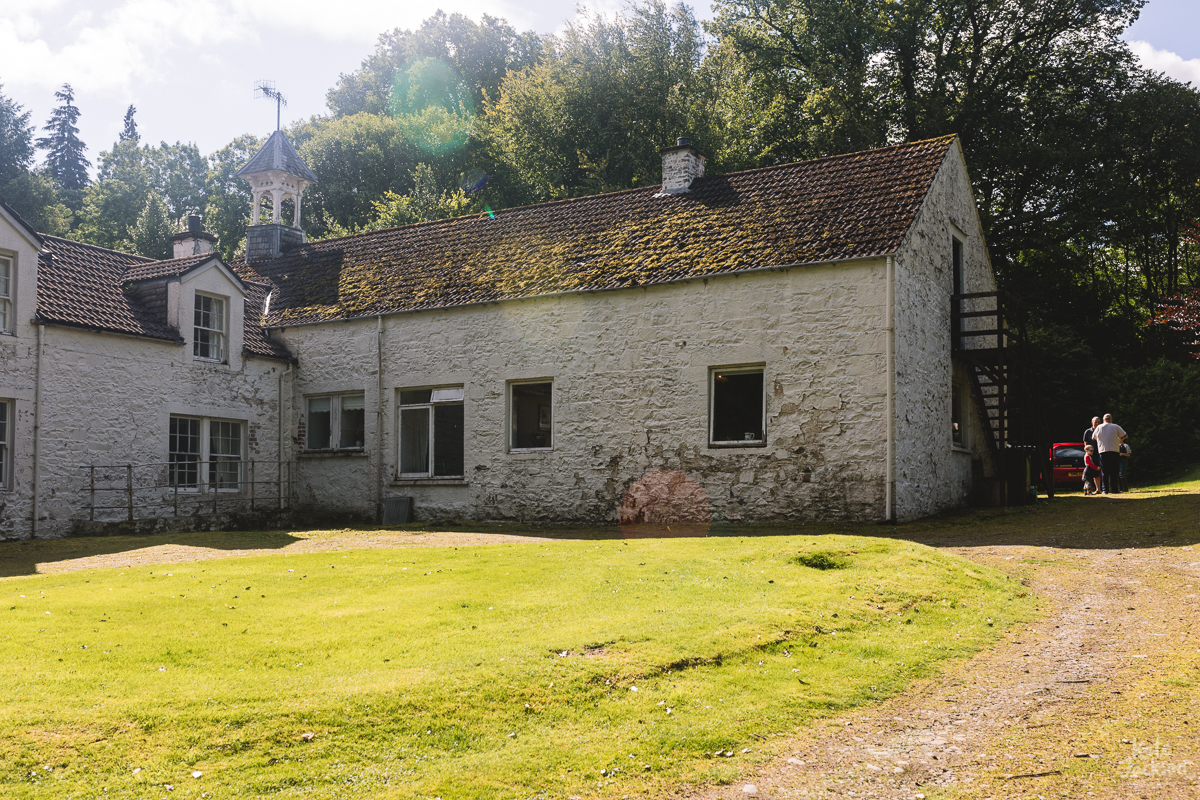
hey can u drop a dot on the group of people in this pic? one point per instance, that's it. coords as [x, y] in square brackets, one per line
[1105, 455]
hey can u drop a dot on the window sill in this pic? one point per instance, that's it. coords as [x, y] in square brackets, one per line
[958, 448]
[735, 445]
[355, 453]
[530, 452]
[429, 481]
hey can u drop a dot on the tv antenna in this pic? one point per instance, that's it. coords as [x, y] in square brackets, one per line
[267, 89]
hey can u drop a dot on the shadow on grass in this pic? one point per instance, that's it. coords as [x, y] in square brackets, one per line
[23, 558]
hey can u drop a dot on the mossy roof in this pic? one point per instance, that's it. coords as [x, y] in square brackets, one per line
[843, 207]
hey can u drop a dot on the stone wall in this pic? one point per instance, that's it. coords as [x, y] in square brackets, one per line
[18, 364]
[932, 473]
[631, 391]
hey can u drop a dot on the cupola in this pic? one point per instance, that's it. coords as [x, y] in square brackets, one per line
[277, 171]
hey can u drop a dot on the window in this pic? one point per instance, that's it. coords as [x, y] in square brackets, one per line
[205, 454]
[431, 433]
[208, 340]
[531, 411]
[738, 407]
[336, 422]
[6, 275]
[5, 443]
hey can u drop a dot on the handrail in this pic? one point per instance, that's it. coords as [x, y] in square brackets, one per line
[206, 487]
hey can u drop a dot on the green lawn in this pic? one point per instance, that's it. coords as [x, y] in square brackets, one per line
[594, 668]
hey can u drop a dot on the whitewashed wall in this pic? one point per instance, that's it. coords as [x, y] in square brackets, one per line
[630, 371]
[18, 352]
[932, 474]
[107, 400]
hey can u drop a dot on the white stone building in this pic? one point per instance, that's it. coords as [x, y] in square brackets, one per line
[771, 345]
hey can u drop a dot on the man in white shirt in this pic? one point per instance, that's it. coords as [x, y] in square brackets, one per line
[1108, 436]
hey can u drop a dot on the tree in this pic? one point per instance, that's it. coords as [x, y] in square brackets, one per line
[1181, 312]
[151, 235]
[425, 203]
[608, 95]
[114, 202]
[130, 132]
[65, 161]
[479, 54]
[16, 139]
[227, 201]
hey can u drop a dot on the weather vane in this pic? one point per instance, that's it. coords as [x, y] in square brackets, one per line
[267, 89]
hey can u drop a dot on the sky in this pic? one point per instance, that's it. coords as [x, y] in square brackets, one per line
[190, 67]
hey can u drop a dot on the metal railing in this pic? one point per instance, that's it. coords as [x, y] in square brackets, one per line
[173, 489]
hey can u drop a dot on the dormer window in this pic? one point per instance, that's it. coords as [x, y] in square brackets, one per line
[5, 294]
[209, 333]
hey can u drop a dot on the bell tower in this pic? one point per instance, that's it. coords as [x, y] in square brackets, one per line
[276, 171]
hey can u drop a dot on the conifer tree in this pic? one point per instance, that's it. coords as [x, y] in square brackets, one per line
[16, 139]
[130, 132]
[65, 160]
[152, 233]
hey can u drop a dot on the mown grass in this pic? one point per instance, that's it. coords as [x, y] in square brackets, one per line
[589, 668]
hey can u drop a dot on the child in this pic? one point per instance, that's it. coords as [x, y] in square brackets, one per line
[1091, 472]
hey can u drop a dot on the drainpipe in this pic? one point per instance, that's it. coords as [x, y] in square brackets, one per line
[37, 427]
[282, 429]
[890, 485]
[379, 418]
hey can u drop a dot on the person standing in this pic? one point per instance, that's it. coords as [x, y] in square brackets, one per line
[1126, 453]
[1089, 438]
[1108, 436]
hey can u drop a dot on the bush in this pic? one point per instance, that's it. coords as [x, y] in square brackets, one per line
[1159, 406]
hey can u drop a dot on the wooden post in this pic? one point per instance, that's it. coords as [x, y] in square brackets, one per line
[129, 488]
[92, 481]
[251, 487]
[176, 482]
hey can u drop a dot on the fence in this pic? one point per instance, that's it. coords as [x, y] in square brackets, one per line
[173, 489]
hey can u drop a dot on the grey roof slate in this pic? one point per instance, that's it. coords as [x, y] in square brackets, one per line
[277, 153]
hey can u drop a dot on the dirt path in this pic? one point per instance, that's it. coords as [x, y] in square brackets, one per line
[1098, 698]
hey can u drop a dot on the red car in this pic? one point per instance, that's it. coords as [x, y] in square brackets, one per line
[1066, 459]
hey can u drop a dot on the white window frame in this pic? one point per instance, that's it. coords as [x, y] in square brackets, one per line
[7, 407]
[207, 461]
[438, 396]
[220, 335]
[745, 369]
[335, 422]
[7, 281]
[512, 417]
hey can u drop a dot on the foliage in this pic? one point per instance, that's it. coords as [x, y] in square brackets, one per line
[65, 161]
[1158, 405]
[228, 199]
[129, 131]
[151, 234]
[479, 55]
[1181, 312]
[474, 672]
[16, 139]
[423, 204]
[592, 116]
[33, 196]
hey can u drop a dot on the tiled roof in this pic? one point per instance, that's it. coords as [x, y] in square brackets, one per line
[277, 153]
[167, 268]
[849, 206]
[81, 285]
[256, 341]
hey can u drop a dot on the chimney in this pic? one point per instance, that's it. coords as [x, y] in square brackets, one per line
[682, 164]
[194, 241]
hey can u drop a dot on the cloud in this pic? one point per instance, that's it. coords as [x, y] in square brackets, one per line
[1165, 61]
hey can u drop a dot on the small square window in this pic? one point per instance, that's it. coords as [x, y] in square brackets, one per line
[336, 422]
[737, 409]
[531, 412]
[209, 329]
[431, 428]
